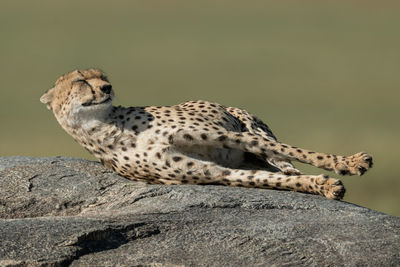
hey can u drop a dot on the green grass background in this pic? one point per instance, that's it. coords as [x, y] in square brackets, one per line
[324, 75]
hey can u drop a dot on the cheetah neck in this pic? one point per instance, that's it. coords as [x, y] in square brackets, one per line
[93, 128]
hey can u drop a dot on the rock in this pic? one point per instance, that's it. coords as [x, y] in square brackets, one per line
[63, 211]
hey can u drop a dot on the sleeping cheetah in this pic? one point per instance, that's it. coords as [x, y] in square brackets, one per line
[196, 142]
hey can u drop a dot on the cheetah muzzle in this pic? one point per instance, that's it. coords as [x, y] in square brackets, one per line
[197, 142]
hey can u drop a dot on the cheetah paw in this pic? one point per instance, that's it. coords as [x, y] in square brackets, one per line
[356, 164]
[330, 187]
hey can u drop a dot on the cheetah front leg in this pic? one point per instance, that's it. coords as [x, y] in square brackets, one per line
[356, 164]
[181, 169]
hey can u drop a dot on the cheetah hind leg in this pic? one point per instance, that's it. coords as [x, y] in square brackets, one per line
[195, 171]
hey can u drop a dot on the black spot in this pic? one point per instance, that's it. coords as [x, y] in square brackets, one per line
[250, 177]
[222, 138]
[278, 184]
[254, 143]
[158, 155]
[126, 158]
[298, 184]
[226, 173]
[188, 137]
[176, 159]
[190, 164]
[320, 157]
[203, 136]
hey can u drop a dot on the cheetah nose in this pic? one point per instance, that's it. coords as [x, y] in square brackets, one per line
[106, 88]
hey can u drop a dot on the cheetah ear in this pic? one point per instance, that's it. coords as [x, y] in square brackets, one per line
[47, 97]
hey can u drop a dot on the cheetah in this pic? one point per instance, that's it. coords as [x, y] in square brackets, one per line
[196, 142]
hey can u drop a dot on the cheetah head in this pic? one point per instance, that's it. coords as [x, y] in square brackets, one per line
[79, 95]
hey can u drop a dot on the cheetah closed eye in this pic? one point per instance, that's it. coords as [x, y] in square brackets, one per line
[196, 142]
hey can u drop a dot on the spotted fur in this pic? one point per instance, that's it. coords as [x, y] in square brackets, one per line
[197, 142]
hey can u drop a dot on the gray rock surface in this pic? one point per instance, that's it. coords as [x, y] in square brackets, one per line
[69, 212]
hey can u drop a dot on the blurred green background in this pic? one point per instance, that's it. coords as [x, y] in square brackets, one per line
[323, 75]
